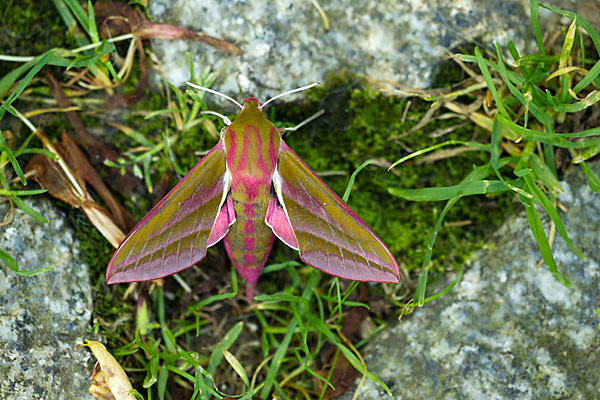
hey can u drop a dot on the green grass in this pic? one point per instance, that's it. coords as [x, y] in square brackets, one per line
[176, 341]
[535, 98]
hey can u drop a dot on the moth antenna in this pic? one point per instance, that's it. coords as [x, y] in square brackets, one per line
[214, 92]
[306, 121]
[226, 120]
[289, 92]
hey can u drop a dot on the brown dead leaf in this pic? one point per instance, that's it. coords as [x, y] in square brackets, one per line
[162, 187]
[111, 382]
[344, 374]
[116, 18]
[62, 182]
[82, 167]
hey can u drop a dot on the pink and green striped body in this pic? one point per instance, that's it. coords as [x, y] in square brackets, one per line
[252, 145]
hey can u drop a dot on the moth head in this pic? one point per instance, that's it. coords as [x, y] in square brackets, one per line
[251, 103]
[251, 100]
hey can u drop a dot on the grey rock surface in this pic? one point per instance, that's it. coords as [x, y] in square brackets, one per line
[285, 44]
[43, 317]
[508, 330]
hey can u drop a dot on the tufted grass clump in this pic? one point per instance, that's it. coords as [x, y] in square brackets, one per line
[535, 111]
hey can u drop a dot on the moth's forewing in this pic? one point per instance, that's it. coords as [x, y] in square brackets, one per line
[329, 235]
[175, 233]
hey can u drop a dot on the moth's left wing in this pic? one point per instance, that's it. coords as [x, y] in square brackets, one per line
[326, 232]
[176, 233]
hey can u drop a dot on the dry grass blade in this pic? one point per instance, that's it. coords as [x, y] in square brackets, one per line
[443, 154]
[322, 14]
[427, 118]
[444, 131]
[11, 211]
[41, 111]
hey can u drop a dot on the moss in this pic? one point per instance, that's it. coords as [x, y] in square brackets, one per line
[96, 252]
[29, 28]
[358, 125]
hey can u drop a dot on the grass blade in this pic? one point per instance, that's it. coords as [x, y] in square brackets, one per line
[79, 13]
[448, 192]
[540, 237]
[217, 354]
[28, 210]
[350, 356]
[9, 79]
[237, 366]
[495, 146]
[275, 364]
[352, 178]
[163, 376]
[556, 139]
[282, 297]
[422, 282]
[534, 11]
[581, 21]
[589, 100]
[552, 213]
[13, 160]
[447, 288]
[11, 263]
[91, 23]
[537, 112]
[490, 83]
[544, 173]
[31, 192]
[229, 338]
[23, 84]
[417, 153]
[589, 78]
[592, 178]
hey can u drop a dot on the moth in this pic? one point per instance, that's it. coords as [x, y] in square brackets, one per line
[250, 188]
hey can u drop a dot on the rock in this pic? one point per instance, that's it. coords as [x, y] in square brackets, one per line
[508, 329]
[43, 317]
[285, 44]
